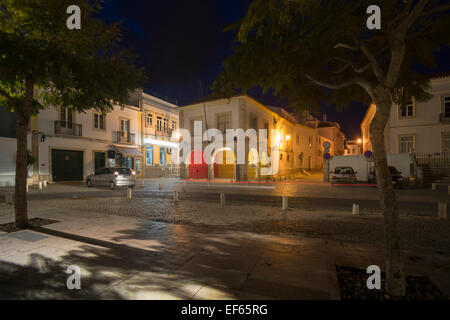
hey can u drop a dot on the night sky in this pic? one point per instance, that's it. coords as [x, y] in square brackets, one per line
[181, 45]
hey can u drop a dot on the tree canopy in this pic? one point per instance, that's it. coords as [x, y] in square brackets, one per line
[304, 48]
[83, 68]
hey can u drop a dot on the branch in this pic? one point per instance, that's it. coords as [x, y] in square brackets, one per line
[350, 64]
[345, 46]
[356, 80]
[7, 96]
[373, 63]
[435, 10]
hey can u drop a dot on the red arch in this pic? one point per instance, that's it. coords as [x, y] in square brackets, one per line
[198, 171]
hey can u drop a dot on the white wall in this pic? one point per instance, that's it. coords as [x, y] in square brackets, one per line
[359, 164]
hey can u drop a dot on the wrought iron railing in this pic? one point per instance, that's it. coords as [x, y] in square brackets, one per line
[433, 158]
[124, 137]
[68, 128]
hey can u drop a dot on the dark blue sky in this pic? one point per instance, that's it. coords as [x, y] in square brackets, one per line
[181, 45]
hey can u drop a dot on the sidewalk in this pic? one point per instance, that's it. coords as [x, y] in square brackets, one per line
[130, 258]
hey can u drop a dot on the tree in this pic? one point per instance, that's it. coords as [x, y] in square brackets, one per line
[313, 51]
[82, 68]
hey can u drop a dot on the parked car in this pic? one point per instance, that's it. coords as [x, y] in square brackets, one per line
[343, 175]
[397, 178]
[112, 177]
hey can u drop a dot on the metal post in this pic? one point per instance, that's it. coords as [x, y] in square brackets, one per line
[40, 185]
[442, 210]
[284, 202]
[129, 193]
[355, 210]
[175, 196]
[222, 199]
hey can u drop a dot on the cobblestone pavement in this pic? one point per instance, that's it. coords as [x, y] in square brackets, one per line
[123, 257]
[336, 233]
[417, 231]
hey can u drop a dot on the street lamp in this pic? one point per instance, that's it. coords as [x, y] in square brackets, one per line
[359, 141]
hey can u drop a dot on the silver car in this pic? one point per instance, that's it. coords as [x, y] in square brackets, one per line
[343, 175]
[112, 177]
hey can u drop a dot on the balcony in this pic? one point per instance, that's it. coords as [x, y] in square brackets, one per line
[124, 137]
[164, 132]
[68, 128]
[444, 117]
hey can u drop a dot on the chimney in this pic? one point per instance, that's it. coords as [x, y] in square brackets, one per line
[324, 118]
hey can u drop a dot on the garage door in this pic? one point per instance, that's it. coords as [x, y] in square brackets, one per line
[67, 165]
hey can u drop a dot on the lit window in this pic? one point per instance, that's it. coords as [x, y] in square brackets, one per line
[407, 111]
[447, 106]
[149, 120]
[99, 121]
[406, 144]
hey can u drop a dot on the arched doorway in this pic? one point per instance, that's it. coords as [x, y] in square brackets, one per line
[197, 170]
[226, 169]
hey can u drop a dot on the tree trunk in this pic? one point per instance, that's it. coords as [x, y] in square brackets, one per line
[395, 272]
[23, 122]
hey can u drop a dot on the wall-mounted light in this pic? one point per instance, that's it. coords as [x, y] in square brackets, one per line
[288, 137]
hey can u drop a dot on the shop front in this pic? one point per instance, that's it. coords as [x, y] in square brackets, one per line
[119, 156]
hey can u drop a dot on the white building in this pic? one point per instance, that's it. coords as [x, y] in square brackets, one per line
[69, 145]
[299, 145]
[421, 127]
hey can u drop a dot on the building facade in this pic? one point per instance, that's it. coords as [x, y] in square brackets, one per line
[420, 127]
[299, 146]
[159, 120]
[68, 145]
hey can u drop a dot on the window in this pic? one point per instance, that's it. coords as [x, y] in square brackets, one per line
[7, 123]
[407, 111]
[310, 140]
[66, 118]
[162, 156]
[149, 120]
[253, 122]
[281, 156]
[446, 142]
[124, 125]
[148, 155]
[174, 125]
[406, 144]
[99, 121]
[288, 157]
[447, 107]
[298, 139]
[166, 125]
[158, 124]
[223, 122]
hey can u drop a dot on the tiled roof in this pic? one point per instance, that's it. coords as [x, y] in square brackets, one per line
[440, 75]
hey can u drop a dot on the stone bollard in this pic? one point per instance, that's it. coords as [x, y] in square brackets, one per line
[9, 198]
[433, 186]
[45, 183]
[129, 193]
[28, 188]
[222, 199]
[40, 185]
[284, 203]
[442, 210]
[176, 197]
[355, 210]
